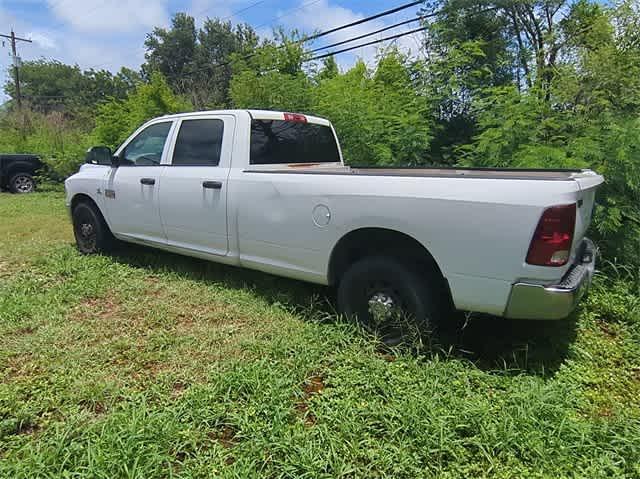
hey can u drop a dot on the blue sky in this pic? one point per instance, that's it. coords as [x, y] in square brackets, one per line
[110, 33]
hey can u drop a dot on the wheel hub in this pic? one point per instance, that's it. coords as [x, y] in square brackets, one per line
[382, 306]
[86, 235]
[86, 230]
[23, 184]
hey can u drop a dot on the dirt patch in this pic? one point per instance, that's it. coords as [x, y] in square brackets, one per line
[178, 389]
[23, 331]
[311, 387]
[227, 436]
[97, 408]
[27, 428]
[608, 330]
[21, 366]
[604, 412]
[96, 308]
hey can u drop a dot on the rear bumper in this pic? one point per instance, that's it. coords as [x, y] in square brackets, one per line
[536, 301]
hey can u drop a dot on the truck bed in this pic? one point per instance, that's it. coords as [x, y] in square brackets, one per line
[454, 172]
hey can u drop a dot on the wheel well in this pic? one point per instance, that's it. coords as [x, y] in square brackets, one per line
[20, 168]
[82, 198]
[363, 242]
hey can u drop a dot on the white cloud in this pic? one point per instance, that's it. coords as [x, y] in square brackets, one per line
[42, 40]
[111, 16]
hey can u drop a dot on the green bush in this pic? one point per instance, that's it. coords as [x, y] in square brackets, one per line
[55, 138]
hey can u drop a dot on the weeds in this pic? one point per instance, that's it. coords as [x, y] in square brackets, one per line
[146, 364]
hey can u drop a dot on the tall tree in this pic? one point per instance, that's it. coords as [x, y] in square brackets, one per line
[197, 62]
[172, 51]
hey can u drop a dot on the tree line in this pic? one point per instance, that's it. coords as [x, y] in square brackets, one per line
[550, 84]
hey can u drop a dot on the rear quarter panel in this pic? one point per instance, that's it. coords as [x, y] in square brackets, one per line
[478, 230]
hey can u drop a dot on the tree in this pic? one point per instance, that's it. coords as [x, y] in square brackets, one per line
[197, 62]
[218, 43]
[49, 85]
[587, 115]
[272, 77]
[117, 119]
[467, 50]
[329, 69]
[172, 52]
[379, 117]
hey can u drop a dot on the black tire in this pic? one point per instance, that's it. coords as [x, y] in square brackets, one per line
[404, 296]
[22, 183]
[90, 230]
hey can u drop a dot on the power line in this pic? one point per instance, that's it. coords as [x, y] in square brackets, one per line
[360, 37]
[392, 37]
[423, 17]
[363, 20]
[335, 29]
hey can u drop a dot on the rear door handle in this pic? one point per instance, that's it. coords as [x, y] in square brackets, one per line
[212, 185]
[148, 181]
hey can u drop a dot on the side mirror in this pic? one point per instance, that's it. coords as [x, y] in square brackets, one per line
[99, 155]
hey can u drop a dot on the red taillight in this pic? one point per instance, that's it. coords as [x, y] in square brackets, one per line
[551, 243]
[295, 117]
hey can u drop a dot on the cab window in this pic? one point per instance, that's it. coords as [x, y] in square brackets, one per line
[146, 148]
[276, 142]
[199, 143]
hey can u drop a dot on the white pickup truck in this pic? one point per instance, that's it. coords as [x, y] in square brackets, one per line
[269, 191]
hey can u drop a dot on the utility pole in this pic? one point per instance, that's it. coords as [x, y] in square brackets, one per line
[16, 61]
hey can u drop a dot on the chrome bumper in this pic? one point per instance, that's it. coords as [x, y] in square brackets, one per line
[536, 301]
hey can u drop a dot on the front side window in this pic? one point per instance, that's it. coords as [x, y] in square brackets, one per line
[146, 148]
[199, 143]
[278, 142]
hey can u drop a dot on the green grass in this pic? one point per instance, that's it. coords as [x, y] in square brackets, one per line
[146, 364]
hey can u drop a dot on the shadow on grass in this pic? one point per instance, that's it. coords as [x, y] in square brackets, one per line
[509, 346]
[491, 343]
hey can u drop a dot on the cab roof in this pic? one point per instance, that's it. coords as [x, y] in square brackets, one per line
[254, 114]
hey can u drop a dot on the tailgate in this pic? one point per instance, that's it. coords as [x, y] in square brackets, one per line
[588, 183]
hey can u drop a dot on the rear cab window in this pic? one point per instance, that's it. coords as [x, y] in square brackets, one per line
[294, 140]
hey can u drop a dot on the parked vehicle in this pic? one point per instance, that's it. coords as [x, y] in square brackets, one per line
[17, 172]
[269, 191]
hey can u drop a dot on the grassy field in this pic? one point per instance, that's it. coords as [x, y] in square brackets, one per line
[146, 364]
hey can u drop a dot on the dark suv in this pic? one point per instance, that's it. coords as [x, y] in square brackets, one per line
[17, 172]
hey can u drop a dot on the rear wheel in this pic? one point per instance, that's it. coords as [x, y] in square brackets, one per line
[22, 183]
[90, 230]
[388, 298]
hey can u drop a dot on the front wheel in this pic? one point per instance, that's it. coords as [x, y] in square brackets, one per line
[388, 298]
[90, 230]
[22, 183]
